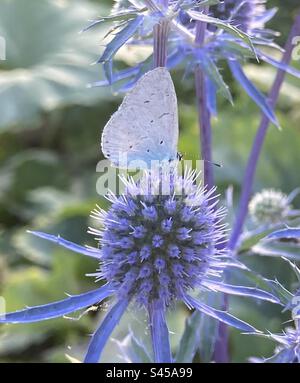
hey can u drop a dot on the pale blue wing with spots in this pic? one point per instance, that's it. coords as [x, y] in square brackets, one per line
[145, 127]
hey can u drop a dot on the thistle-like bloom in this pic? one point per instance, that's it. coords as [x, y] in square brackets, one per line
[248, 15]
[158, 247]
[269, 207]
[158, 244]
[288, 342]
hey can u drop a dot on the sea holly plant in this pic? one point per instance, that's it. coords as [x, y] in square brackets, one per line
[288, 342]
[248, 181]
[270, 207]
[269, 211]
[154, 250]
[283, 242]
[200, 36]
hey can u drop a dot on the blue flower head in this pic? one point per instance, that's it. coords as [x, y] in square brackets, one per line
[168, 245]
[158, 244]
[248, 15]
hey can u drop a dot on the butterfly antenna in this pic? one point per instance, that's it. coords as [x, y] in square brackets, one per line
[214, 163]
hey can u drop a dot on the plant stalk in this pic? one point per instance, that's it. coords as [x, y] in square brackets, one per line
[247, 184]
[221, 348]
[204, 116]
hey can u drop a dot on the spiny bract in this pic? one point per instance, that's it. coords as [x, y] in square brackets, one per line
[247, 15]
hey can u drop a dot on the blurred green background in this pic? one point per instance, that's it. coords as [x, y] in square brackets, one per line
[50, 127]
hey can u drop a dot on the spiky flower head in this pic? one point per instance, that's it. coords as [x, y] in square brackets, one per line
[269, 207]
[248, 15]
[158, 241]
[156, 245]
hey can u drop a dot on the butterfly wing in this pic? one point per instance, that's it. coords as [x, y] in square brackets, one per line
[145, 127]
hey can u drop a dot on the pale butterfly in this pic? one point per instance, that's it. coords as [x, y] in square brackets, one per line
[145, 127]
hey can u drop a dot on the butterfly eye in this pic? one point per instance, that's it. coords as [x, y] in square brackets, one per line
[161, 142]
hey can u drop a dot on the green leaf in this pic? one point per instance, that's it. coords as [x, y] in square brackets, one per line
[200, 334]
[133, 350]
[209, 329]
[30, 169]
[48, 62]
[190, 339]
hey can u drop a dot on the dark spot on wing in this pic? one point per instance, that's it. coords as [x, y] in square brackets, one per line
[163, 115]
[161, 142]
[148, 150]
[152, 121]
[130, 147]
[146, 102]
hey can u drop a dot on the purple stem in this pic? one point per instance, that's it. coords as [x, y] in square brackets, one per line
[160, 33]
[203, 111]
[160, 52]
[221, 352]
[221, 348]
[259, 140]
